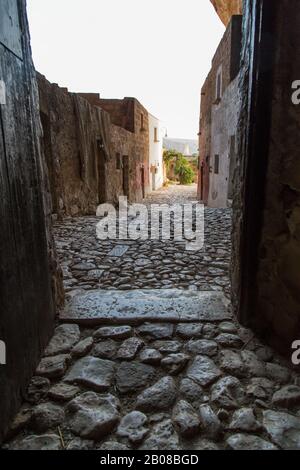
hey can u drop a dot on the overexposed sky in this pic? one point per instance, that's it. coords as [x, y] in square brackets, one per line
[158, 51]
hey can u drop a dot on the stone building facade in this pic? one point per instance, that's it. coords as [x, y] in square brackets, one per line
[216, 134]
[130, 116]
[156, 163]
[224, 125]
[96, 150]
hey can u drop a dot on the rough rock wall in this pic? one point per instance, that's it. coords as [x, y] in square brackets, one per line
[226, 8]
[26, 245]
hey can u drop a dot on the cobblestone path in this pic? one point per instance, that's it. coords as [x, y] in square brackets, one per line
[156, 386]
[147, 264]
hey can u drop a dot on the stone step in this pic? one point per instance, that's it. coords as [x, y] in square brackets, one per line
[146, 305]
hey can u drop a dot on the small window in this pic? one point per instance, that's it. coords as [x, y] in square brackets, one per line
[118, 161]
[217, 164]
[219, 85]
[156, 139]
[142, 122]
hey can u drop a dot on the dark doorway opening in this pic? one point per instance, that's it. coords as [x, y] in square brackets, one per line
[101, 172]
[143, 182]
[126, 175]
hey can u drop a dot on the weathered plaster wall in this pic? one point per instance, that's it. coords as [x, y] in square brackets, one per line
[27, 253]
[223, 128]
[226, 60]
[83, 144]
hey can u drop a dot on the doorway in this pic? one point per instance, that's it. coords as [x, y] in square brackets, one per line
[143, 182]
[126, 175]
[102, 183]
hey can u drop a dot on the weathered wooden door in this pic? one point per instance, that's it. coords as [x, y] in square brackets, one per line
[26, 306]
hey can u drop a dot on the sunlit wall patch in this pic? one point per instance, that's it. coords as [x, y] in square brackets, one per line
[2, 353]
[296, 93]
[296, 354]
[2, 92]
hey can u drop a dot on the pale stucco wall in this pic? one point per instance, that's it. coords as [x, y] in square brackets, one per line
[155, 153]
[224, 126]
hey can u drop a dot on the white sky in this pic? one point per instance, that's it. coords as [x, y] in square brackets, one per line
[158, 51]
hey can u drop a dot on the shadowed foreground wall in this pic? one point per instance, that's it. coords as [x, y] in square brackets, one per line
[266, 238]
[26, 247]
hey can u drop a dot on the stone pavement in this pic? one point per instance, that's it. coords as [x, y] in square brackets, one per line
[163, 385]
[150, 264]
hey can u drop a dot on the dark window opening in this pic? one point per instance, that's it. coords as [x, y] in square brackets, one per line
[219, 86]
[217, 164]
[118, 161]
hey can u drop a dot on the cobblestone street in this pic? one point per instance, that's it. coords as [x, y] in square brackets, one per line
[147, 264]
[161, 385]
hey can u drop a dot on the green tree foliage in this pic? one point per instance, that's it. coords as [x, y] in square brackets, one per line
[183, 169]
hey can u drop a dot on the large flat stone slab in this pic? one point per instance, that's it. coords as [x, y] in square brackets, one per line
[139, 306]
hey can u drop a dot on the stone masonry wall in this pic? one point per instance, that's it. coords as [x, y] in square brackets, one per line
[129, 115]
[227, 8]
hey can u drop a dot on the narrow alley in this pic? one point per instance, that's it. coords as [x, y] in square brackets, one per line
[163, 385]
[150, 227]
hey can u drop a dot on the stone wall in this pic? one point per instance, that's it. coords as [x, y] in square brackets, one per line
[27, 253]
[226, 8]
[132, 116]
[266, 241]
[226, 62]
[85, 149]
